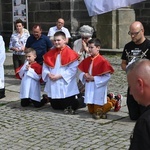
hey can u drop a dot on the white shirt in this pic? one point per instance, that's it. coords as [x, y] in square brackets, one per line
[30, 84]
[64, 87]
[54, 29]
[96, 91]
[77, 46]
[2, 59]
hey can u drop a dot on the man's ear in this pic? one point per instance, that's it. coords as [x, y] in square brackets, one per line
[140, 84]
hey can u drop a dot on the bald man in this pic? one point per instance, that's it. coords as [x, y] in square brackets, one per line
[59, 27]
[137, 48]
[138, 76]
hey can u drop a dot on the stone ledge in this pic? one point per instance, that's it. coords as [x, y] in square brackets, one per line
[111, 51]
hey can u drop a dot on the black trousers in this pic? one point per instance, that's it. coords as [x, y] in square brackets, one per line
[2, 93]
[63, 103]
[27, 101]
[135, 109]
[18, 60]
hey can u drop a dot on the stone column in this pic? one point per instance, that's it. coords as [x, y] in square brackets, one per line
[112, 28]
[125, 16]
[73, 23]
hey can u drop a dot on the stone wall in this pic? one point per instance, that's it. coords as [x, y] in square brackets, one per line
[142, 11]
[46, 12]
[74, 12]
[113, 27]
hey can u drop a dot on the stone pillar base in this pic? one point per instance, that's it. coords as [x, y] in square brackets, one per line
[113, 27]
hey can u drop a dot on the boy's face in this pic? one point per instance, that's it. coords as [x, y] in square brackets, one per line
[93, 50]
[59, 41]
[30, 57]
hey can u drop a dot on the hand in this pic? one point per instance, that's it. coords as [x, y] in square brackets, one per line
[88, 77]
[54, 77]
[84, 46]
[28, 66]
[22, 48]
[15, 49]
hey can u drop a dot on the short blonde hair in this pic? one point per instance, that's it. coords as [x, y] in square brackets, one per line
[30, 50]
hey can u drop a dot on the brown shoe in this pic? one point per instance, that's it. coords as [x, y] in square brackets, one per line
[98, 114]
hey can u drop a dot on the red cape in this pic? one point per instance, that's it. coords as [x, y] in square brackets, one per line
[37, 68]
[67, 56]
[100, 65]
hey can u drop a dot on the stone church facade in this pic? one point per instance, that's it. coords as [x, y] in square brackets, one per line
[110, 27]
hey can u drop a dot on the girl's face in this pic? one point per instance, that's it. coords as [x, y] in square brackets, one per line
[59, 41]
[19, 27]
[30, 57]
[93, 50]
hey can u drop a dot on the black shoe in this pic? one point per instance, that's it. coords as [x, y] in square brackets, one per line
[2, 93]
[69, 110]
[45, 98]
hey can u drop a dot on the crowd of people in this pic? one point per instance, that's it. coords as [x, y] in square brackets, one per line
[48, 60]
[39, 59]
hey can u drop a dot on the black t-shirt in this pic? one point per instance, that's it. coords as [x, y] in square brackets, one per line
[134, 51]
[141, 133]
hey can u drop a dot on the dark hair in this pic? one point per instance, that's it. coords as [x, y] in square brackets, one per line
[95, 41]
[19, 21]
[60, 33]
[29, 50]
[37, 25]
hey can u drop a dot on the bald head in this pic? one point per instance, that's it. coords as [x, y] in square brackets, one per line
[138, 76]
[136, 25]
[140, 67]
[136, 31]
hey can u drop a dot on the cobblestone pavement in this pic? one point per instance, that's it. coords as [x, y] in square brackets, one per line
[46, 129]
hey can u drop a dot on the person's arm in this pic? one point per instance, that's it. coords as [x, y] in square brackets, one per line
[102, 80]
[32, 74]
[68, 36]
[123, 64]
[84, 47]
[11, 47]
[45, 72]
[70, 71]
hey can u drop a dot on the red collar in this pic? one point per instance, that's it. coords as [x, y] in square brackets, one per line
[100, 65]
[67, 56]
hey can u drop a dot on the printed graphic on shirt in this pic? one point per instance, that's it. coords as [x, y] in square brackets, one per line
[135, 54]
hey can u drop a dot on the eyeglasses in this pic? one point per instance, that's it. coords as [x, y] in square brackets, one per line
[84, 38]
[134, 33]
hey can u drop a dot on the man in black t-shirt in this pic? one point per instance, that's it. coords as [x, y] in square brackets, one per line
[138, 48]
